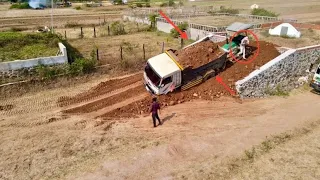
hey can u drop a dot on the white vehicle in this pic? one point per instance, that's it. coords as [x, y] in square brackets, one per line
[164, 74]
[315, 84]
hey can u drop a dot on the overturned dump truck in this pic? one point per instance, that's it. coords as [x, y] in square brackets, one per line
[163, 73]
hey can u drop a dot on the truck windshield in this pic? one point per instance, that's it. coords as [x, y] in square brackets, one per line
[155, 79]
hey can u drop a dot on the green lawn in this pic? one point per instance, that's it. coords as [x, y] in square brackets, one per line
[20, 46]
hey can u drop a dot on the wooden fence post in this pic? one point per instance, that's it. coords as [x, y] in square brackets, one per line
[104, 19]
[138, 26]
[81, 34]
[65, 34]
[97, 54]
[108, 30]
[121, 57]
[144, 52]
[162, 47]
[181, 42]
[94, 31]
[99, 21]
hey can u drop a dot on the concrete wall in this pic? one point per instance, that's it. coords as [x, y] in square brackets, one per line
[61, 58]
[143, 20]
[282, 72]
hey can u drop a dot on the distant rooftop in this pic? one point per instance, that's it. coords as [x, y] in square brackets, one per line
[237, 26]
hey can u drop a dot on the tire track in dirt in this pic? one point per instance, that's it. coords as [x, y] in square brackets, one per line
[132, 86]
[102, 112]
[100, 90]
[108, 101]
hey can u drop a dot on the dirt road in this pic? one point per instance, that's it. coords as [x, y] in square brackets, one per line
[202, 134]
[36, 140]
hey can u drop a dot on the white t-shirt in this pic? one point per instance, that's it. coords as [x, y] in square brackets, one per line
[245, 41]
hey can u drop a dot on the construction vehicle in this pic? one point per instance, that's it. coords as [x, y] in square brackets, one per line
[235, 43]
[315, 83]
[164, 74]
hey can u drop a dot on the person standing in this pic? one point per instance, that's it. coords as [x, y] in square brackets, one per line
[155, 108]
[243, 44]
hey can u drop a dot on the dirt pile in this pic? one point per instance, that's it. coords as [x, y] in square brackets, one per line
[209, 90]
[127, 98]
[99, 90]
[198, 54]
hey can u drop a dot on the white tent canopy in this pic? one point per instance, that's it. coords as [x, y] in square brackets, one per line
[254, 6]
[285, 29]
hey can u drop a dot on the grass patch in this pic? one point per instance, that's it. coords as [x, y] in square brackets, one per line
[229, 10]
[18, 29]
[14, 45]
[72, 25]
[278, 91]
[233, 166]
[263, 12]
[24, 5]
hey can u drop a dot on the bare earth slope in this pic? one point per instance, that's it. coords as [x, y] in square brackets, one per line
[37, 141]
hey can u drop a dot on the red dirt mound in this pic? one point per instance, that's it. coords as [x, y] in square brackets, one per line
[209, 90]
[198, 55]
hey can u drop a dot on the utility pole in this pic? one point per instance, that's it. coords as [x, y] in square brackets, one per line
[52, 16]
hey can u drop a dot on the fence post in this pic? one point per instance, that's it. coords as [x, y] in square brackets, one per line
[99, 21]
[94, 31]
[162, 47]
[121, 53]
[65, 34]
[97, 54]
[108, 30]
[181, 42]
[138, 26]
[144, 52]
[104, 19]
[81, 34]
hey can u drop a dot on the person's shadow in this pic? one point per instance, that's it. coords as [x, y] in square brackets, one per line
[168, 118]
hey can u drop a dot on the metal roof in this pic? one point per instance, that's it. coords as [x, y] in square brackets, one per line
[237, 26]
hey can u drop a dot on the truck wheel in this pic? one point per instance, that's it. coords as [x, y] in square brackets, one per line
[208, 76]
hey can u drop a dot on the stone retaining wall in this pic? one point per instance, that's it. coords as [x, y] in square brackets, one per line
[282, 73]
[14, 68]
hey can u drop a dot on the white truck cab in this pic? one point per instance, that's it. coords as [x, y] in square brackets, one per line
[162, 74]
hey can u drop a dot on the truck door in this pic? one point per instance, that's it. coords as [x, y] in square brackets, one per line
[166, 85]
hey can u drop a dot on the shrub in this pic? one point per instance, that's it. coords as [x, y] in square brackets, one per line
[229, 10]
[152, 19]
[117, 28]
[80, 66]
[118, 2]
[139, 4]
[163, 4]
[148, 5]
[174, 33]
[24, 5]
[171, 3]
[17, 29]
[263, 12]
[78, 8]
[48, 72]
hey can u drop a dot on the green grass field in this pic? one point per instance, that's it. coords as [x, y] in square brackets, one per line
[20, 46]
